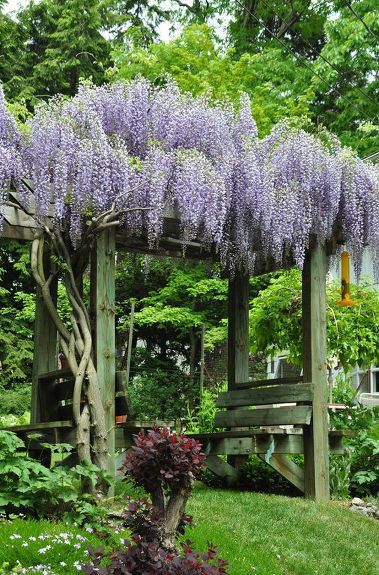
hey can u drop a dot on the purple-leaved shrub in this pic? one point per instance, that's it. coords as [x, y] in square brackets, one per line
[165, 465]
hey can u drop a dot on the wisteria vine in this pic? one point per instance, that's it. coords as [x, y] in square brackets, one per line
[12, 154]
[134, 145]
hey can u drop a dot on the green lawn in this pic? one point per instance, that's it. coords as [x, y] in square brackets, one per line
[272, 535]
[258, 534]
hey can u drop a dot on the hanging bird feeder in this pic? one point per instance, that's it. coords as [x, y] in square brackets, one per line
[345, 281]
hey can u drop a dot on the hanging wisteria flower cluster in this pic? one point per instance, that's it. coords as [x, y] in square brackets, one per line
[135, 145]
[11, 153]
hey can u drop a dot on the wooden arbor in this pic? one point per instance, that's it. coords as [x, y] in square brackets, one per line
[307, 397]
[266, 438]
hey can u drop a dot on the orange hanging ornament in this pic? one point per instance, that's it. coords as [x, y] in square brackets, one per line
[345, 281]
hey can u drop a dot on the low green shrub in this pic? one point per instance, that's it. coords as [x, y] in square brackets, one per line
[339, 475]
[364, 447]
[14, 399]
[10, 419]
[201, 419]
[171, 389]
[29, 487]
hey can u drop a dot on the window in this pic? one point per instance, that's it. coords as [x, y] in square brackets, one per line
[375, 380]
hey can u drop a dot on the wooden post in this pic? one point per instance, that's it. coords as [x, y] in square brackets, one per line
[238, 341]
[316, 448]
[44, 356]
[103, 310]
[238, 330]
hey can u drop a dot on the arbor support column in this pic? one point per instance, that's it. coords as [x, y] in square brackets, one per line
[44, 358]
[103, 315]
[238, 345]
[238, 330]
[316, 446]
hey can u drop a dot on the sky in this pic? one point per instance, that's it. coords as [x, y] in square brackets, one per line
[14, 5]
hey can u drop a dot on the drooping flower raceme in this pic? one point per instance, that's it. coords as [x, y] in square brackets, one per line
[11, 153]
[138, 146]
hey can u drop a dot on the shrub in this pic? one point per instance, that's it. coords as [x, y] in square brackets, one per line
[28, 486]
[339, 475]
[364, 446]
[142, 557]
[14, 399]
[10, 419]
[202, 418]
[165, 465]
[172, 389]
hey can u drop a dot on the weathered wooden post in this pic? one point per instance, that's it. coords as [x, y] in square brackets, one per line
[238, 330]
[238, 340]
[103, 312]
[316, 446]
[44, 356]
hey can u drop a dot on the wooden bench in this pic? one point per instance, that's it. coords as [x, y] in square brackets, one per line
[252, 416]
[55, 390]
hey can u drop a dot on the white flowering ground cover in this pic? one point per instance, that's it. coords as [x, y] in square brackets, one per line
[44, 547]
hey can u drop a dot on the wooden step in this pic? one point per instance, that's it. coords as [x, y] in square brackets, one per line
[299, 415]
[288, 393]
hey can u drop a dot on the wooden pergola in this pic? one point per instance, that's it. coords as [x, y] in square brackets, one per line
[303, 401]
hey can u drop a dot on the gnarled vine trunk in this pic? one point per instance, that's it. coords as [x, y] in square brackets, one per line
[77, 345]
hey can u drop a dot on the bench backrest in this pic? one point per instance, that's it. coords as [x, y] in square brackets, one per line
[56, 390]
[266, 393]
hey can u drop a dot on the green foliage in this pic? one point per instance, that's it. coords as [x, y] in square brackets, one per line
[28, 486]
[160, 390]
[352, 334]
[365, 461]
[343, 391]
[340, 475]
[364, 446]
[354, 52]
[202, 418]
[10, 420]
[189, 299]
[64, 43]
[16, 326]
[270, 78]
[14, 400]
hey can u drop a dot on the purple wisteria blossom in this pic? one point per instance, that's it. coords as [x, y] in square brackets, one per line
[11, 153]
[142, 146]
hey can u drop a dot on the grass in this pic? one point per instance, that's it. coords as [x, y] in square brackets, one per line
[258, 534]
[273, 535]
[59, 547]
